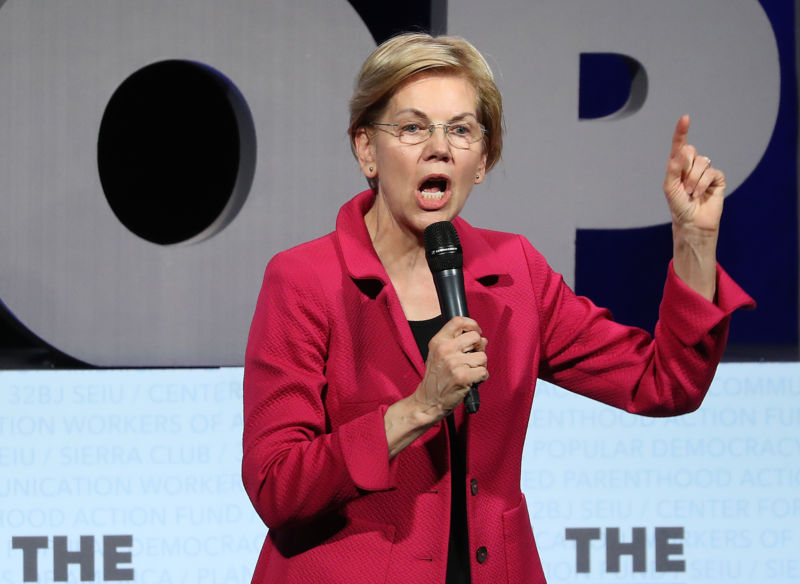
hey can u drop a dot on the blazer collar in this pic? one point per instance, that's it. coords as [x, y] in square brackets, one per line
[360, 258]
[362, 261]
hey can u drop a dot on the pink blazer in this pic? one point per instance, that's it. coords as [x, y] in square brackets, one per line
[330, 349]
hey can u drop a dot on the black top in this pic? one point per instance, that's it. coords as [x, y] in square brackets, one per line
[457, 556]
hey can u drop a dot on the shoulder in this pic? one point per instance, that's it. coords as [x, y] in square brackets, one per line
[297, 285]
[512, 249]
[303, 274]
[502, 240]
[306, 259]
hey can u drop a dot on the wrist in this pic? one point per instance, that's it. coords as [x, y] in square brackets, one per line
[689, 234]
[695, 259]
[406, 420]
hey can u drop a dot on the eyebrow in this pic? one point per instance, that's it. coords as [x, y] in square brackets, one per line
[422, 114]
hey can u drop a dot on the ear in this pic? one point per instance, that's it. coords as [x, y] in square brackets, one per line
[480, 173]
[365, 152]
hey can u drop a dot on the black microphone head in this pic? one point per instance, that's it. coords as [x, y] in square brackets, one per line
[442, 247]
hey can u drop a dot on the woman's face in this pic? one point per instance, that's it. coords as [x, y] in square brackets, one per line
[420, 184]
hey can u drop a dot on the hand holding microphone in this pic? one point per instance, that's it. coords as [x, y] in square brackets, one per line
[445, 260]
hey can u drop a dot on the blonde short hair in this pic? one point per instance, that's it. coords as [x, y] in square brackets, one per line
[406, 55]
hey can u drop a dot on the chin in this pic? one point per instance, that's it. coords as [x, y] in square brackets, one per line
[431, 217]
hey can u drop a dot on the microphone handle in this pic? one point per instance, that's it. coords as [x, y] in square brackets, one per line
[473, 400]
[453, 302]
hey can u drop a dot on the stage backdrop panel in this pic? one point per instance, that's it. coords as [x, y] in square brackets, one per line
[134, 475]
[78, 277]
[151, 455]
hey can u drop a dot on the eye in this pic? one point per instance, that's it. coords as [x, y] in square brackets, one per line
[460, 130]
[410, 128]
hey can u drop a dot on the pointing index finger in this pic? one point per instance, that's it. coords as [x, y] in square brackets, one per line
[680, 135]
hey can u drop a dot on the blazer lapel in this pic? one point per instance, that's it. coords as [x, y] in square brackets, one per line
[484, 276]
[364, 265]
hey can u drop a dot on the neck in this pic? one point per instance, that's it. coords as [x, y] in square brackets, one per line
[402, 254]
[398, 247]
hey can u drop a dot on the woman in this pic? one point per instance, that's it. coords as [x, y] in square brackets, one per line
[356, 454]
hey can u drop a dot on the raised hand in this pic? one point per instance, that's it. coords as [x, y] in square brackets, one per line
[694, 188]
[695, 191]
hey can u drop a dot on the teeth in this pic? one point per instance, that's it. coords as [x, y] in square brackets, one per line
[439, 195]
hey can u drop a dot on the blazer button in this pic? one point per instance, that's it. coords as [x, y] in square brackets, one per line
[481, 554]
[473, 486]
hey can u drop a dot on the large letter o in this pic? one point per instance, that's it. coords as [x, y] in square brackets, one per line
[71, 272]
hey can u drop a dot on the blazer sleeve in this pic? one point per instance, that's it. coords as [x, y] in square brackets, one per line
[585, 351]
[294, 466]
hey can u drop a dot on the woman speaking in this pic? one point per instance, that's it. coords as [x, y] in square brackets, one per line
[358, 454]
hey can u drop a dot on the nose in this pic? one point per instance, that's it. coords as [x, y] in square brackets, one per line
[438, 145]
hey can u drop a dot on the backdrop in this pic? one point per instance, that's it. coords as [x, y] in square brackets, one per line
[158, 153]
[134, 476]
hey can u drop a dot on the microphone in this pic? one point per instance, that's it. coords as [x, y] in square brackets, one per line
[445, 260]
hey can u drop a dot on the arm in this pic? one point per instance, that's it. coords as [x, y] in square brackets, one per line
[670, 374]
[294, 467]
[585, 351]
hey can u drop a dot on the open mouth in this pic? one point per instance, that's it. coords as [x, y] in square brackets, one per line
[433, 192]
[433, 187]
